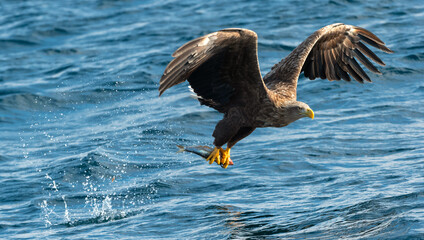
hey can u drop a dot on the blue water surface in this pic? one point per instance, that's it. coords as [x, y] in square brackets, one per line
[87, 149]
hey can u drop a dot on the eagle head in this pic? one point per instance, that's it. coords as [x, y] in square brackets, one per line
[297, 110]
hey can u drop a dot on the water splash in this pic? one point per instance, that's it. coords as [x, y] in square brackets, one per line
[66, 216]
[46, 212]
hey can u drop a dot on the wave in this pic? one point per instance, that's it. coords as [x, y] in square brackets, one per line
[28, 101]
[12, 42]
[379, 218]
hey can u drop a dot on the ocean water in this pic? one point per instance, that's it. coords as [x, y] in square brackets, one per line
[87, 149]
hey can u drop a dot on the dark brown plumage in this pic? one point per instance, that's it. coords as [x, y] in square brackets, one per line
[222, 69]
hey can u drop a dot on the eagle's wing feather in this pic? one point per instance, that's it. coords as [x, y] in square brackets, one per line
[221, 67]
[329, 53]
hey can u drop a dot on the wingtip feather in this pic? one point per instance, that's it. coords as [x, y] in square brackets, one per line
[364, 32]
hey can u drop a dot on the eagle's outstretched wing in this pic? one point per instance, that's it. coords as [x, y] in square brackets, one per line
[222, 69]
[329, 53]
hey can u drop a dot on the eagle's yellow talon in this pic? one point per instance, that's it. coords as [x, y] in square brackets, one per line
[214, 156]
[225, 157]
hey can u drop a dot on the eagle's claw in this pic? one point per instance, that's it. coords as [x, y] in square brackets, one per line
[220, 156]
[225, 157]
[215, 156]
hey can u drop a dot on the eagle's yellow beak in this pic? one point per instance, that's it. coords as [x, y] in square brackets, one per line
[309, 113]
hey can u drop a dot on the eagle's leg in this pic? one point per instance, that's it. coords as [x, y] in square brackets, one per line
[215, 156]
[225, 157]
[241, 133]
[225, 131]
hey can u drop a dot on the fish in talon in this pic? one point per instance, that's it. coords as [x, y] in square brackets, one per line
[204, 152]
